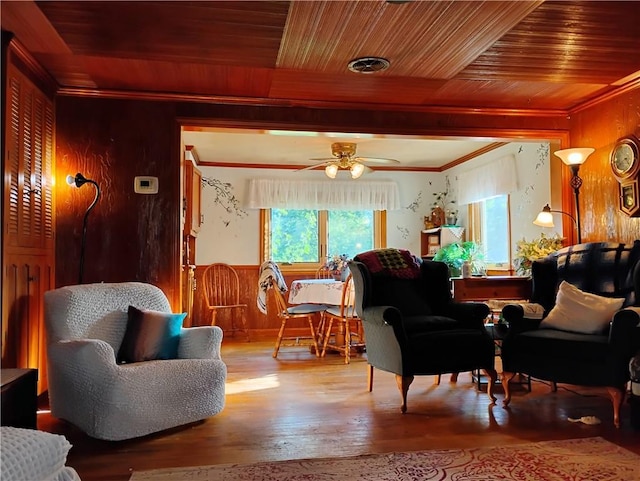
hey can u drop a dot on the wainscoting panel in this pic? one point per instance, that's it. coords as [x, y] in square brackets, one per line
[259, 324]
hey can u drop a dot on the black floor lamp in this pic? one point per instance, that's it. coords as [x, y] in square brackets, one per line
[574, 158]
[79, 180]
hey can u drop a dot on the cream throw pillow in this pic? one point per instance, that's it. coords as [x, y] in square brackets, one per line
[579, 311]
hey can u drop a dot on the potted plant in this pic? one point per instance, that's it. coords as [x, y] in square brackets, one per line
[444, 208]
[456, 254]
[529, 251]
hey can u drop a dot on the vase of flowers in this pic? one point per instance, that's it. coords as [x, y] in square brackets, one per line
[529, 251]
[337, 265]
[444, 210]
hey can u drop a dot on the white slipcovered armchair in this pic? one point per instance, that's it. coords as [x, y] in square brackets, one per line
[29, 454]
[85, 326]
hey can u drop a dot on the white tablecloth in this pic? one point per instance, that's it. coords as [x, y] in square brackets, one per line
[316, 291]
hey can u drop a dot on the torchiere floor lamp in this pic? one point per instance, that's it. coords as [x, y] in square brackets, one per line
[574, 158]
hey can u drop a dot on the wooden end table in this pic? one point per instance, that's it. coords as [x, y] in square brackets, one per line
[19, 398]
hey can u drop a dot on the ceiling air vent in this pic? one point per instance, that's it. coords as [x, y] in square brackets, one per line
[368, 64]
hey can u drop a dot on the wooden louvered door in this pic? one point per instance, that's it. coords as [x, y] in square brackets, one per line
[28, 221]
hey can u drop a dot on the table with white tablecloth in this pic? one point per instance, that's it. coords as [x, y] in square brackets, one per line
[316, 291]
[319, 291]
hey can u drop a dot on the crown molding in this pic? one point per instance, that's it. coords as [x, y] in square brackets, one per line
[317, 104]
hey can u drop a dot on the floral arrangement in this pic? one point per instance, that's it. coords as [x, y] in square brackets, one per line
[529, 251]
[337, 262]
[442, 201]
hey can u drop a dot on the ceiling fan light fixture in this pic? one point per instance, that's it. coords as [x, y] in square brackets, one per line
[357, 169]
[368, 64]
[331, 170]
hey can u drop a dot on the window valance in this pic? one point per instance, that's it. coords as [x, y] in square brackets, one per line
[495, 178]
[323, 195]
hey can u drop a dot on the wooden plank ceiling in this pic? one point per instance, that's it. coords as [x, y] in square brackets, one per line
[524, 55]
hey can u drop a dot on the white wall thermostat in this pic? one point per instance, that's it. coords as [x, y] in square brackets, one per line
[145, 185]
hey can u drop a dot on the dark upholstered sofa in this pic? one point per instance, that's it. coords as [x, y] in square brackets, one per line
[582, 339]
[412, 326]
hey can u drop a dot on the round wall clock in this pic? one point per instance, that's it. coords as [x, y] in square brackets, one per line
[625, 158]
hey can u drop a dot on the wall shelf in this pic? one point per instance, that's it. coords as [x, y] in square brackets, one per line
[431, 240]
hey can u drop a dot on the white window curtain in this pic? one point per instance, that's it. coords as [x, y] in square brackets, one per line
[496, 178]
[323, 195]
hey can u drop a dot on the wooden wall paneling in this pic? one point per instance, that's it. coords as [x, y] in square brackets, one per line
[248, 276]
[259, 324]
[599, 126]
[130, 237]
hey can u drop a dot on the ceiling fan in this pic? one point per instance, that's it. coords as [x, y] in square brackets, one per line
[344, 158]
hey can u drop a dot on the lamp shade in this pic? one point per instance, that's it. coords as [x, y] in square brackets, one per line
[331, 171]
[575, 156]
[357, 169]
[544, 219]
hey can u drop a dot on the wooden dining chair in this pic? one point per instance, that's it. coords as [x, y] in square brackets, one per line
[222, 293]
[300, 311]
[345, 321]
[324, 273]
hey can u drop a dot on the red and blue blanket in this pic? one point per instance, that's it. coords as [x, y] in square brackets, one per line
[390, 262]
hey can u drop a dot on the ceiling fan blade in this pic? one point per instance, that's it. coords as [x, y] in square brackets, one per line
[325, 158]
[311, 166]
[376, 160]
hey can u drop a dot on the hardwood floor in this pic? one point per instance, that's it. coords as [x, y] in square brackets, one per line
[299, 406]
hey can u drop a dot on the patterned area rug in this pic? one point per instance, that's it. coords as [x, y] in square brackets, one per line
[588, 459]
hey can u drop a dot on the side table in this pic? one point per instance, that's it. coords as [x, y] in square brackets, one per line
[19, 398]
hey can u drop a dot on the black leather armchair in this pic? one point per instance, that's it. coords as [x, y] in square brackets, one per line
[412, 326]
[566, 355]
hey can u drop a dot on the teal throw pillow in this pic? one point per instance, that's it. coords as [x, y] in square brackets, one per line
[150, 335]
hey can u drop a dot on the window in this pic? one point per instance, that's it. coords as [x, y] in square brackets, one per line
[294, 235]
[490, 226]
[350, 232]
[304, 238]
